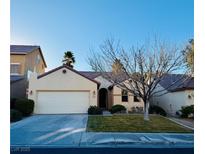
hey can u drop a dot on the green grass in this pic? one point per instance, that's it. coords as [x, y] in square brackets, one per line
[133, 123]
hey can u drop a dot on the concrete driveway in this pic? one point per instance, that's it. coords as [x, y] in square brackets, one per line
[49, 130]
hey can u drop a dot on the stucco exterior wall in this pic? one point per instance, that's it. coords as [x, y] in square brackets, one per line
[110, 99]
[31, 62]
[114, 95]
[19, 59]
[28, 62]
[117, 99]
[104, 83]
[173, 101]
[58, 81]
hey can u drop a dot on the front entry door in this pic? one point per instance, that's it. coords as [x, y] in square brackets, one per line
[103, 98]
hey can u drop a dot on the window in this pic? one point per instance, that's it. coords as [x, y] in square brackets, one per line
[15, 68]
[136, 99]
[124, 96]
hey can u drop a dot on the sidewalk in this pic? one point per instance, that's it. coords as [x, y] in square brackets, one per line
[183, 122]
[116, 140]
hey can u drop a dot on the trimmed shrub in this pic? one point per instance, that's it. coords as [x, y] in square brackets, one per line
[12, 103]
[118, 109]
[25, 106]
[15, 115]
[93, 110]
[154, 109]
[136, 109]
[187, 111]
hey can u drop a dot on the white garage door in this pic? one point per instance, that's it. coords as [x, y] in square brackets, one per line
[62, 102]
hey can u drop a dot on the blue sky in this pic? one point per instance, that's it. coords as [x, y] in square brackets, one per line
[78, 25]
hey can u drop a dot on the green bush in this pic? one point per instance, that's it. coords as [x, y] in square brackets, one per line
[25, 106]
[118, 109]
[187, 111]
[157, 110]
[92, 110]
[12, 103]
[15, 115]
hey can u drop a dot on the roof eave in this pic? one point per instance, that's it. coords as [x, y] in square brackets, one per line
[42, 56]
[18, 53]
[182, 89]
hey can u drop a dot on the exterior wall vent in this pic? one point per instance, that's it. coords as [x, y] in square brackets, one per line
[64, 71]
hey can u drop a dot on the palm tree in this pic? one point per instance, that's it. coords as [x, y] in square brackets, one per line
[69, 59]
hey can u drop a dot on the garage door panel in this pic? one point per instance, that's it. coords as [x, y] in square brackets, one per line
[62, 102]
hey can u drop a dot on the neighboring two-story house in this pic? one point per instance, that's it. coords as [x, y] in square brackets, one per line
[24, 59]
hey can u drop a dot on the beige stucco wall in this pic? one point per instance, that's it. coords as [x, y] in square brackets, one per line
[57, 81]
[28, 62]
[118, 100]
[104, 83]
[114, 95]
[173, 101]
[19, 59]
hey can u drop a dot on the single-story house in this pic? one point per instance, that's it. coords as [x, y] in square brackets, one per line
[65, 90]
[176, 96]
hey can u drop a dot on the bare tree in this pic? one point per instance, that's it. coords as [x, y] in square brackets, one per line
[143, 67]
[188, 53]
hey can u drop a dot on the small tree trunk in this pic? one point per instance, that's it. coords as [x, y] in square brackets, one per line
[146, 111]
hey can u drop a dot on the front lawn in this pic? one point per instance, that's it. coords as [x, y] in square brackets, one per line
[133, 123]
